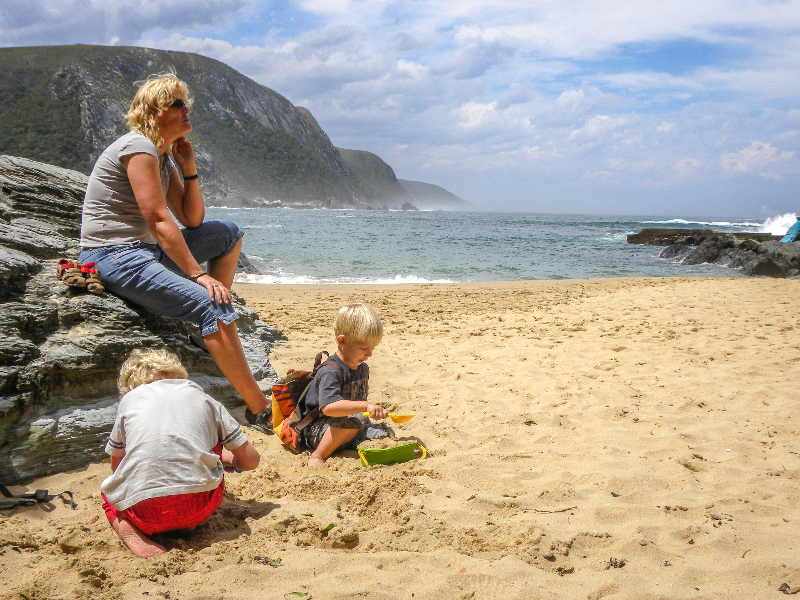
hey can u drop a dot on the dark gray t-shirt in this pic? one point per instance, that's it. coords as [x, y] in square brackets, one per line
[330, 385]
[111, 215]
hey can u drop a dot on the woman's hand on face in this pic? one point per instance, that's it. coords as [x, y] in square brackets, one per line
[183, 153]
[216, 291]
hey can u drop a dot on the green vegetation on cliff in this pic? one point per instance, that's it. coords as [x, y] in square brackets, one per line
[63, 105]
[34, 122]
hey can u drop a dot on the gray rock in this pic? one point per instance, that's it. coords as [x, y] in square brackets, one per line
[60, 348]
[753, 257]
[666, 236]
[709, 249]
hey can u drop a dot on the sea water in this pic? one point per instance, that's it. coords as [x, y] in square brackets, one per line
[378, 247]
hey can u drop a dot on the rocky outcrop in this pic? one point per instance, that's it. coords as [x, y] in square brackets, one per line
[754, 254]
[377, 176]
[665, 236]
[432, 197]
[60, 350]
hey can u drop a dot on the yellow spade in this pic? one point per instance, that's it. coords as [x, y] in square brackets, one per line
[394, 417]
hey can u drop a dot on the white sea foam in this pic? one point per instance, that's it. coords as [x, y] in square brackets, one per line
[778, 225]
[290, 279]
[704, 223]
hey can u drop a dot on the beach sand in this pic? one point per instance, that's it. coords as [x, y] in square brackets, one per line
[623, 438]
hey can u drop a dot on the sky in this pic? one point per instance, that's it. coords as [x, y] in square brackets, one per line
[683, 108]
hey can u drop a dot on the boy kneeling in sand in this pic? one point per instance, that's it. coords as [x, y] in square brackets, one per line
[167, 453]
[340, 387]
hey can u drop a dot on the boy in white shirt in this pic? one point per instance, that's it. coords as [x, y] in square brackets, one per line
[169, 447]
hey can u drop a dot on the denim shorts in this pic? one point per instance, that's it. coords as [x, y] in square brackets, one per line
[145, 275]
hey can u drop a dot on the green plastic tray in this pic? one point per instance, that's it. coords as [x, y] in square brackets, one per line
[388, 456]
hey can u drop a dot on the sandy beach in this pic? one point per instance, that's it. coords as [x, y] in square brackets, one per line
[621, 438]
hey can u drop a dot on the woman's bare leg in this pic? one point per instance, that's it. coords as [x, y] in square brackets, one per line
[226, 349]
[136, 541]
[223, 268]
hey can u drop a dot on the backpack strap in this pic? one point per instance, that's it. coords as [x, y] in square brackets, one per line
[30, 499]
[314, 414]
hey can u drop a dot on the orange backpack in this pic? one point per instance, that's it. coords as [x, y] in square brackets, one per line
[288, 394]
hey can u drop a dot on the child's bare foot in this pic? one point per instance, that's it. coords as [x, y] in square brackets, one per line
[136, 541]
[315, 460]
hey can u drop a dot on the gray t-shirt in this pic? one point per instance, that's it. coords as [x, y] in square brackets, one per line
[331, 384]
[167, 430]
[111, 215]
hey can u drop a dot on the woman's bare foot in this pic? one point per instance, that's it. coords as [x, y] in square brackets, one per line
[315, 460]
[136, 541]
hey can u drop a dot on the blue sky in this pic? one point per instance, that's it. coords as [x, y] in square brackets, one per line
[683, 108]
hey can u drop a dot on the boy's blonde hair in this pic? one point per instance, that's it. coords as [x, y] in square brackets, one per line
[155, 96]
[359, 322]
[147, 366]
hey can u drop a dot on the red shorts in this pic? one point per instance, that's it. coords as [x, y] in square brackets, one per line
[166, 513]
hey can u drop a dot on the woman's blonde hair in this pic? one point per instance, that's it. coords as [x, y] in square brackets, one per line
[147, 366]
[155, 96]
[358, 322]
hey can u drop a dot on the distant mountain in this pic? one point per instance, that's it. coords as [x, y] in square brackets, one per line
[64, 104]
[376, 175]
[433, 197]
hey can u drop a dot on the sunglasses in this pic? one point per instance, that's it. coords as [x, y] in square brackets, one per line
[178, 103]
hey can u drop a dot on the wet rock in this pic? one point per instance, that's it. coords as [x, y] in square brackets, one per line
[666, 236]
[753, 258]
[754, 254]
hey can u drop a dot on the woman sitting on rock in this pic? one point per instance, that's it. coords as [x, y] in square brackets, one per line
[141, 252]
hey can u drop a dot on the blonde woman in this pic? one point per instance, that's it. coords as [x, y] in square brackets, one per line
[143, 255]
[169, 447]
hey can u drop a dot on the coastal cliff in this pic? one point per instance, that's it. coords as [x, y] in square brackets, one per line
[754, 254]
[61, 349]
[254, 147]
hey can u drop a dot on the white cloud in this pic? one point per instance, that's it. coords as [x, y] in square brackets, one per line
[758, 157]
[414, 69]
[105, 22]
[473, 114]
[513, 89]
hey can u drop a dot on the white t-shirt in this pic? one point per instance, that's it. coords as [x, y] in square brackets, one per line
[166, 430]
[111, 215]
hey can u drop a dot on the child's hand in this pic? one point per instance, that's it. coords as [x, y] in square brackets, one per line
[226, 459]
[377, 412]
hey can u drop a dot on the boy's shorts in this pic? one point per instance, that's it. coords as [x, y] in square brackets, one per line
[368, 431]
[145, 275]
[167, 513]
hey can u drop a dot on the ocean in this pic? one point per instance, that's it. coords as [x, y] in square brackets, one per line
[378, 247]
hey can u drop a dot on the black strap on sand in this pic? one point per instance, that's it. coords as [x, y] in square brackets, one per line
[39, 496]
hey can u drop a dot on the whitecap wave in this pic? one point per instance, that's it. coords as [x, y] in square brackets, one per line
[704, 223]
[291, 279]
[778, 225]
